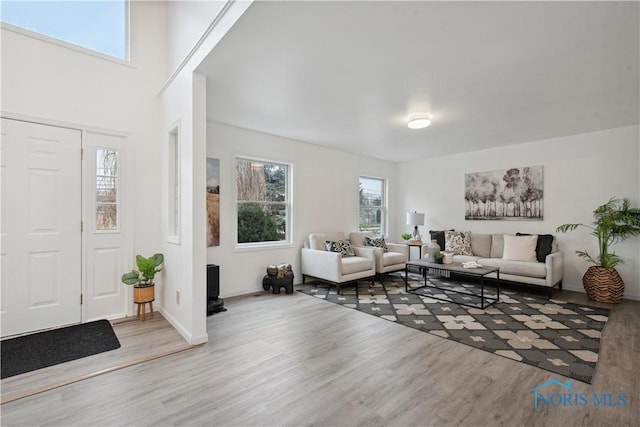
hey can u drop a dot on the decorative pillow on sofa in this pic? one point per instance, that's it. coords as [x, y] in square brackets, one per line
[520, 248]
[458, 242]
[342, 246]
[543, 247]
[438, 236]
[377, 242]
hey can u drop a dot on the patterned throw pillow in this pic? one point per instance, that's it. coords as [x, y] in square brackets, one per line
[377, 242]
[458, 242]
[342, 246]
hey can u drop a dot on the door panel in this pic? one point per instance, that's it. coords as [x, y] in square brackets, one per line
[106, 280]
[105, 227]
[41, 235]
[44, 279]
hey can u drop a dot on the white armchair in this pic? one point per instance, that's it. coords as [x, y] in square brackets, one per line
[332, 267]
[386, 262]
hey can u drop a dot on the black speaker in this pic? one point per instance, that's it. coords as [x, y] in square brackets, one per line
[214, 304]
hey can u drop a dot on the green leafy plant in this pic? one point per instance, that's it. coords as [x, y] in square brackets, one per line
[147, 269]
[438, 255]
[614, 221]
[405, 236]
[255, 224]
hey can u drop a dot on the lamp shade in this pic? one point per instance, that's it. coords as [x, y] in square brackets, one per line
[415, 218]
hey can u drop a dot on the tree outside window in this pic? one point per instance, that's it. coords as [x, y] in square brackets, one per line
[262, 195]
[106, 189]
[372, 205]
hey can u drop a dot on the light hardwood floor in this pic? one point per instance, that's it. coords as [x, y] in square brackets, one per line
[139, 341]
[296, 360]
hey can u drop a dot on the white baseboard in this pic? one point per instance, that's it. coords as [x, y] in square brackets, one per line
[242, 294]
[580, 289]
[111, 317]
[566, 287]
[201, 339]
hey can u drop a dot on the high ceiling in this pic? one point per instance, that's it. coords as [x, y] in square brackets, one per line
[347, 74]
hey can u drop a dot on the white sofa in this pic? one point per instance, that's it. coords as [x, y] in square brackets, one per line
[488, 250]
[386, 262]
[332, 267]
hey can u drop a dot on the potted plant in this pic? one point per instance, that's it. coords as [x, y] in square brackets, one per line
[614, 221]
[438, 257]
[142, 278]
[405, 236]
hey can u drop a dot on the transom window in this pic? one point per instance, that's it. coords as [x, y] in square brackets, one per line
[372, 205]
[263, 202]
[101, 26]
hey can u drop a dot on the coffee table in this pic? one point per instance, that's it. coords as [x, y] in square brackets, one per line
[457, 268]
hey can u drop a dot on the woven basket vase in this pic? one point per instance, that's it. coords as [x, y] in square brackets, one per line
[603, 284]
[142, 294]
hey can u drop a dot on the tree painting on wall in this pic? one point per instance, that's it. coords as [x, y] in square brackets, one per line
[511, 194]
[213, 202]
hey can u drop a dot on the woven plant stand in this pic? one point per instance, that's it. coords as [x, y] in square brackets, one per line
[143, 295]
[603, 284]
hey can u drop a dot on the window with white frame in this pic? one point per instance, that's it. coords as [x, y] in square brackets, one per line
[106, 190]
[263, 202]
[101, 26]
[173, 198]
[372, 205]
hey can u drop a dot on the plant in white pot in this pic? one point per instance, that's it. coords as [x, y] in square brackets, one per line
[614, 221]
[142, 278]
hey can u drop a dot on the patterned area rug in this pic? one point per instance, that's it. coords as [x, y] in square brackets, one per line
[555, 335]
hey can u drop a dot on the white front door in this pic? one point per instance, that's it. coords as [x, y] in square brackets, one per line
[41, 238]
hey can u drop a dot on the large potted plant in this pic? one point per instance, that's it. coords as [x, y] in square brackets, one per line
[142, 278]
[614, 221]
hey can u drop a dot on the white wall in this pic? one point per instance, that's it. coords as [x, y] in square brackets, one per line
[581, 172]
[183, 101]
[188, 20]
[325, 199]
[48, 82]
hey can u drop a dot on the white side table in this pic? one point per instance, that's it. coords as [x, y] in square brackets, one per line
[417, 244]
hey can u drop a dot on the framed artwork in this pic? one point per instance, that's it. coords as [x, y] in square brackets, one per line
[507, 194]
[213, 202]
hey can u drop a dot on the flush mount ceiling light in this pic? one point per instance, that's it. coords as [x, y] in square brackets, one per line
[419, 121]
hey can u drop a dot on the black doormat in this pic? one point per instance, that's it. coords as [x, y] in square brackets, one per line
[550, 334]
[40, 350]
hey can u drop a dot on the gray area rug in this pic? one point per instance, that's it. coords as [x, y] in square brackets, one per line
[550, 334]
